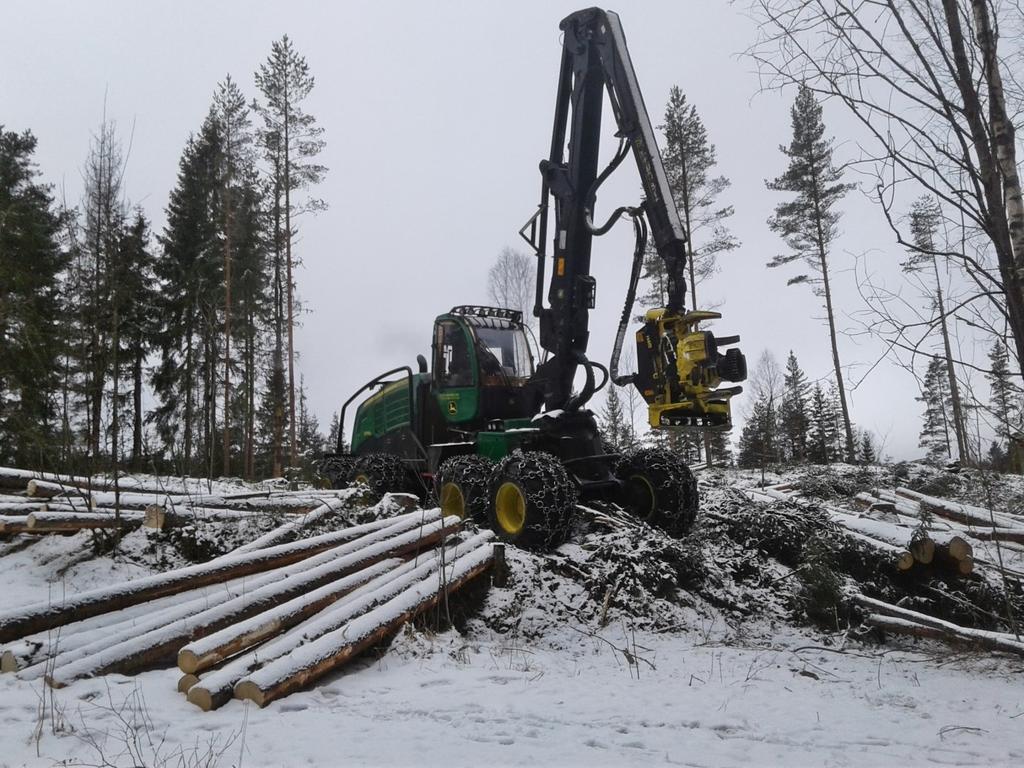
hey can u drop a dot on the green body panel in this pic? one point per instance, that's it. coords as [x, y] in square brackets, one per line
[459, 404]
[383, 412]
[498, 445]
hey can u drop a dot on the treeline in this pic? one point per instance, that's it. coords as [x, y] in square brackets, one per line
[170, 351]
[958, 239]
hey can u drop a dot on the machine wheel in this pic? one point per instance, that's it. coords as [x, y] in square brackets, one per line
[335, 470]
[531, 500]
[460, 486]
[384, 473]
[659, 489]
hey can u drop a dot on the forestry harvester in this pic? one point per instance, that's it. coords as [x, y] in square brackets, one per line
[504, 441]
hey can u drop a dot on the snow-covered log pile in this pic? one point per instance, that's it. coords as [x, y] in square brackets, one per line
[49, 503]
[285, 612]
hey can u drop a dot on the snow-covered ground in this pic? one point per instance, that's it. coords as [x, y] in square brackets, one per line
[533, 679]
[443, 700]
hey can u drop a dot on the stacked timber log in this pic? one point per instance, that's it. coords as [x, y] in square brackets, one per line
[890, 526]
[257, 623]
[57, 504]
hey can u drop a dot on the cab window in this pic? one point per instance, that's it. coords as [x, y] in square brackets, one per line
[451, 356]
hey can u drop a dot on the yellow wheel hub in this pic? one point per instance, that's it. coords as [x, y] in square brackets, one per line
[452, 500]
[510, 508]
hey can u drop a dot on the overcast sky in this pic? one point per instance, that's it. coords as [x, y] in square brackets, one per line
[436, 115]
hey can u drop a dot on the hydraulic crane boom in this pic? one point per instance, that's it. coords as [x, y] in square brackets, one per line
[595, 60]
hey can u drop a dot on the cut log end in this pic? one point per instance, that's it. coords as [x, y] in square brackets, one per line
[155, 517]
[185, 683]
[966, 565]
[248, 690]
[904, 561]
[188, 661]
[923, 550]
[8, 662]
[201, 697]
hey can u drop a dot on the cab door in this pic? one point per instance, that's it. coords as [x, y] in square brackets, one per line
[455, 372]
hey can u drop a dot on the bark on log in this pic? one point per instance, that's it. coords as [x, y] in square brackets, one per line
[283, 614]
[78, 521]
[101, 632]
[18, 622]
[11, 524]
[288, 674]
[139, 652]
[962, 513]
[217, 688]
[948, 632]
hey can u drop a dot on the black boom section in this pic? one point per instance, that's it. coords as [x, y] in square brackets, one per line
[594, 61]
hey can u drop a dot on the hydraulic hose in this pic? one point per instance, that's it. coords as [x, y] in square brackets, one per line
[640, 229]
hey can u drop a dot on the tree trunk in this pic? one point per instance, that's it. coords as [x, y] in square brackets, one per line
[226, 446]
[292, 459]
[137, 410]
[959, 426]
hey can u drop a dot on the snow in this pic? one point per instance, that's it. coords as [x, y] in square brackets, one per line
[530, 677]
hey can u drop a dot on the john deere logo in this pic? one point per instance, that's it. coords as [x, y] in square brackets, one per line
[453, 407]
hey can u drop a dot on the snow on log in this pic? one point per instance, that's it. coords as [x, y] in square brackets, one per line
[21, 508]
[10, 524]
[100, 632]
[961, 513]
[903, 621]
[217, 688]
[297, 670]
[159, 517]
[77, 521]
[141, 651]
[18, 622]
[385, 506]
[212, 649]
[11, 477]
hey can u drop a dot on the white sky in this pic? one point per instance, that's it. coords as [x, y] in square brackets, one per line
[436, 115]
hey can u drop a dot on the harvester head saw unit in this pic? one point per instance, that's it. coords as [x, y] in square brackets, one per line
[680, 370]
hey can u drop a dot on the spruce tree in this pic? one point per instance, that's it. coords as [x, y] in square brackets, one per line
[190, 275]
[868, 453]
[31, 312]
[136, 297]
[793, 417]
[758, 446]
[291, 140]
[1004, 395]
[689, 157]
[809, 222]
[821, 438]
[935, 430]
[615, 429]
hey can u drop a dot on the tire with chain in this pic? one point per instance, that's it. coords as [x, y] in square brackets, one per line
[659, 488]
[334, 471]
[531, 500]
[460, 486]
[383, 473]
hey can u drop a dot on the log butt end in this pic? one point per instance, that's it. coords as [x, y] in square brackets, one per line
[8, 662]
[246, 689]
[200, 696]
[187, 661]
[185, 682]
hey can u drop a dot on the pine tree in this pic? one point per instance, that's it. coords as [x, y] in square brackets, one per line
[925, 217]
[793, 416]
[935, 431]
[688, 157]
[31, 312]
[808, 223]
[868, 452]
[291, 140]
